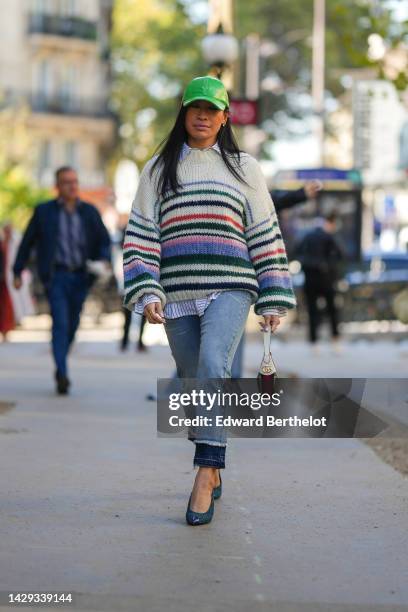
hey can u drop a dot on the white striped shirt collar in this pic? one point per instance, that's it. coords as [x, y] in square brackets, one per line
[186, 149]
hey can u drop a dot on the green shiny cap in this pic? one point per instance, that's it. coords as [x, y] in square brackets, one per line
[206, 88]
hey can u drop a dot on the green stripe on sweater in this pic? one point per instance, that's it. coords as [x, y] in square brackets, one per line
[209, 259]
[208, 272]
[266, 231]
[143, 227]
[138, 279]
[133, 292]
[275, 291]
[216, 225]
[200, 192]
[140, 255]
[270, 261]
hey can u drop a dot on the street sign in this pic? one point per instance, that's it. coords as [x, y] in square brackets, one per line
[244, 112]
[379, 119]
[343, 179]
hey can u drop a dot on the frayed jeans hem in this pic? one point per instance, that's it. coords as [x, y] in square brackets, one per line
[209, 455]
[209, 443]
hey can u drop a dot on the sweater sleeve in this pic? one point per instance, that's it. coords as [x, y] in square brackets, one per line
[147, 298]
[278, 311]
[265, 244]
[141, 247]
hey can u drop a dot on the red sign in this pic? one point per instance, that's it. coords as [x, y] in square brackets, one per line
[244, 112]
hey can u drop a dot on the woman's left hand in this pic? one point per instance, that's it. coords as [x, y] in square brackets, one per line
[270, 322]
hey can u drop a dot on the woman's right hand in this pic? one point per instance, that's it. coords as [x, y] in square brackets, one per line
[154, 313]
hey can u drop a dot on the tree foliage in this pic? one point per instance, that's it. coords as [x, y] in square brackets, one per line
[19, 194]
[155, 52]
[289, 26]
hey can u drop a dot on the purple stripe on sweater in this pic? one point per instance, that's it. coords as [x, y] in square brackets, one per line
[202, 240]
[138, 215]
[135, 268]
[273, 274]
[264, 222]
[275, 281]
[199, 247]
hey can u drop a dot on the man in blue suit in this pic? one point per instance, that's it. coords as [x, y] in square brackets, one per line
[67, 233]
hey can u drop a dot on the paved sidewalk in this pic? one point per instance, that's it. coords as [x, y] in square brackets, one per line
[94, 503]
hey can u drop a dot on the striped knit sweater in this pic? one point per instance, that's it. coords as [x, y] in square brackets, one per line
[217, 233]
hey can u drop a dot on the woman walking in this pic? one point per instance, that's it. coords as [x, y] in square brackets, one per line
[203, 244]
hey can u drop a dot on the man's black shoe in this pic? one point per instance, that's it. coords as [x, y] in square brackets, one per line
[62, 384]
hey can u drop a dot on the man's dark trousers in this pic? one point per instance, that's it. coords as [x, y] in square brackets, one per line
[316, 286]
[66, 293]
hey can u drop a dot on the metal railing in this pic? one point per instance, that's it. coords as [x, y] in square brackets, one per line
[57, 25]
[40, 102]
[68, 105]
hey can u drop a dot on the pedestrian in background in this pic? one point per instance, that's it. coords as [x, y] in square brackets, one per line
[7, 321]
[67, 233]
[140, 345]
[22, 300]
[289, 199]
[320, 255]
[203, 243]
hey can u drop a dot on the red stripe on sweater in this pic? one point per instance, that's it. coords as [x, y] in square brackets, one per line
[276, 252]
[142, 248]
[208, 216]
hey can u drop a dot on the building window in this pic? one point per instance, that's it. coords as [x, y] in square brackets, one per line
[44, 158]
[67, 86]
[42, 6]
[68, 8]
[72, 153]
[44, 79]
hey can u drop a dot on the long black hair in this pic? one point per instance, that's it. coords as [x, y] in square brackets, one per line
[170, 148]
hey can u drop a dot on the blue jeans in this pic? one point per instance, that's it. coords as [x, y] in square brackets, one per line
[66, 293]
[238, 362]
[203, 348]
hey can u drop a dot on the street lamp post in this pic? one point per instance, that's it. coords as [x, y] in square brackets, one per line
[220, 47]
[319, 28]
[220, 50]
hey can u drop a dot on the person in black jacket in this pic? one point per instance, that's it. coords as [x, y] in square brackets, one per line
[320, 255]
[288, 199]
[282, 201]
[67, 233]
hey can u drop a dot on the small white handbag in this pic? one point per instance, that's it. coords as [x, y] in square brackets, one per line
[267, 370]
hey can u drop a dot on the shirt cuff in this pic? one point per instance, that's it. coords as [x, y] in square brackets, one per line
[278, 311]
[146, 298]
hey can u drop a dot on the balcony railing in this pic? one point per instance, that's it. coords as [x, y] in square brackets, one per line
[60, 104]
[56, 25]
[64, 105]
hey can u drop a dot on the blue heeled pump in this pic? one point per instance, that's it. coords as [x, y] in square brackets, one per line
[200, 518]
[217, 491]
